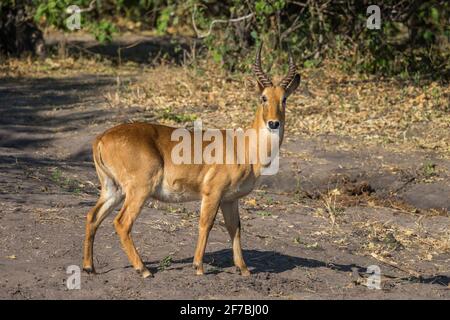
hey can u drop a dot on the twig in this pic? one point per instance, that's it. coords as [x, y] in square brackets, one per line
[395, 265]
[184, 84]
[214, 22]
[119, 50]
[294, 26]
[83, 49]
[90, 8]
[404, 185]
[71, 10]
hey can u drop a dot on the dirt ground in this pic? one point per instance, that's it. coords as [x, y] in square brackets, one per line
[336, 207]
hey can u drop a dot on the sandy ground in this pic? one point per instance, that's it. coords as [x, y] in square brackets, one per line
[309, 232]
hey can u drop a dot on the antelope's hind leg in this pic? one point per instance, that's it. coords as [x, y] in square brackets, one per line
[110, 197]
[135, 199]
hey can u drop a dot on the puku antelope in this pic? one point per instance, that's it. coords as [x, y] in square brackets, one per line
[133, 162]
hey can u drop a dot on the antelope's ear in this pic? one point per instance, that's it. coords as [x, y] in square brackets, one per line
[292, 85]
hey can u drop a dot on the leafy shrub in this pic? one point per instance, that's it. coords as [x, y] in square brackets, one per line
[413, 39]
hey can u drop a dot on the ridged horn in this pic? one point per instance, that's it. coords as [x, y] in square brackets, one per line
[262, 77]
[291, 73]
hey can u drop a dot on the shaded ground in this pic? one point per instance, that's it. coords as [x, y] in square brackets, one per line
[129, 47]
[309, 232]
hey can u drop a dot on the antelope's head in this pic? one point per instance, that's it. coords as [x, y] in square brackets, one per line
[273, 98]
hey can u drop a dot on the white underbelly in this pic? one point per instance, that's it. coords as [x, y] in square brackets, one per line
[169, 193]
[165, 193]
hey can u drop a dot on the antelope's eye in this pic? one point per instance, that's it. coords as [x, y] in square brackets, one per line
[264, 99]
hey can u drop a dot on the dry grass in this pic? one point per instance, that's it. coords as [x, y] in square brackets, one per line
[395, 114]
[398, 115]
[331, 206]
[388, 111]
[406, 115]
[389, 242]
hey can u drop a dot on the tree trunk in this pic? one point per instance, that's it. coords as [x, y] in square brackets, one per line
[19, 34]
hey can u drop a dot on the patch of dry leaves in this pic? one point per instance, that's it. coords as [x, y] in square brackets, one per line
[404, 115]
[398, 115]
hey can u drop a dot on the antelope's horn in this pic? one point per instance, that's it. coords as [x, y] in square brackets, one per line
[291, 73]
[262, 77]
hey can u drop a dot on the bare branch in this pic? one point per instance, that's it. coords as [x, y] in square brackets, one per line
[199, 35]
[90, 8]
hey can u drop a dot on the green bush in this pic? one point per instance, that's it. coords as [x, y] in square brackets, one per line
[414, 38]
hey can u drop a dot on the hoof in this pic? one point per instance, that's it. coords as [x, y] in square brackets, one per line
[146, 274]
[198, 268]
[89, 270]
[199, 272]
[245, 273]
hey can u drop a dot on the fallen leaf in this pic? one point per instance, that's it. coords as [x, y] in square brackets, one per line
[251, 202]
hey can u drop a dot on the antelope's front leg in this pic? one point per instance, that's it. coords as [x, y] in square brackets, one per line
[208, 211]
[230, 212]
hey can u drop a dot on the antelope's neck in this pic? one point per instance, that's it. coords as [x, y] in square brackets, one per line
[265, 136]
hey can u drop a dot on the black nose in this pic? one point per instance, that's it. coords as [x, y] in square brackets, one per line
[274, 124]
